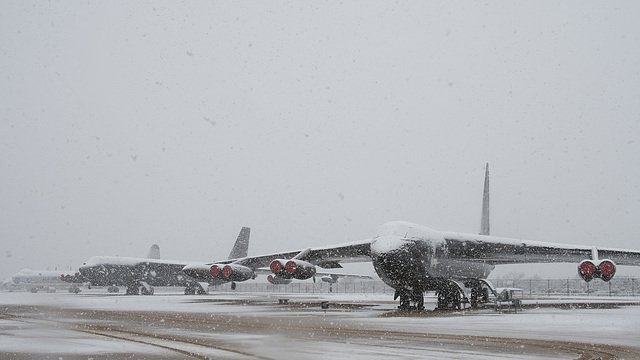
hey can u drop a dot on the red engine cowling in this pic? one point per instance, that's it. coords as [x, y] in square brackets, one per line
[587, 270]
[604, 269]
[292, 269]
[277, 267]
[216, 270]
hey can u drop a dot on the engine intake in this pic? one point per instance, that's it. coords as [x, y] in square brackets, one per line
[587, 270]
[604, 269]
[215, 270]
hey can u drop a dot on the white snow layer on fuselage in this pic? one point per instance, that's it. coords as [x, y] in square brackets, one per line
[127, 261]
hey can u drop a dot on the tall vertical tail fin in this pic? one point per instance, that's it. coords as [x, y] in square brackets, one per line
[484, 222]
[154, 252]
[241, 247]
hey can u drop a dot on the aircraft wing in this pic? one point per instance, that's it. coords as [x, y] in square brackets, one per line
[498, 250]
[327, 257]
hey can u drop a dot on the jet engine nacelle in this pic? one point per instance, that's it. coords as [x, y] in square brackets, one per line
[232, 272]
[235, 272]
[604, 269]
[292, 269]
[276, 280]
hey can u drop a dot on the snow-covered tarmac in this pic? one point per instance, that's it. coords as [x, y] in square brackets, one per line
[96, 325]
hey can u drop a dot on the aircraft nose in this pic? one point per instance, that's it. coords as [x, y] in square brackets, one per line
[400, 261]
[85, 271]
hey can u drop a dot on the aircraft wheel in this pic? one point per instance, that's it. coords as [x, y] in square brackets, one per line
[448, 298]
[133, 290]
[405, 299]
[485, 295]
[418, 299]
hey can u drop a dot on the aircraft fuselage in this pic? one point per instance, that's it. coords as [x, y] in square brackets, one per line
[410, 256]
[107, 271]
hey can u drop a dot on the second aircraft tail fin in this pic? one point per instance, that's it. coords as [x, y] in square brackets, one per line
[484, 222]
[154, 252]
[241, 247]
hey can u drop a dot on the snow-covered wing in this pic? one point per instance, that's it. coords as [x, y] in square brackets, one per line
[327, 257]
[498, 250]
[129, 261]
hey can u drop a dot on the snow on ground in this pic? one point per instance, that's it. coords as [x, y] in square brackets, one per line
[617, 326]
[35, 339]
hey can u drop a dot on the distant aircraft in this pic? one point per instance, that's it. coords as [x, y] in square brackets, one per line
[140, 275]
[45, 280]
[414, 259]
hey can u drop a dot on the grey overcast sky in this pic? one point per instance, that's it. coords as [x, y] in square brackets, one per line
[128, 123]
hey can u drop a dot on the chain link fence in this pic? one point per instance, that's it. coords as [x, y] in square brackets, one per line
[534, 286]
[573, 287]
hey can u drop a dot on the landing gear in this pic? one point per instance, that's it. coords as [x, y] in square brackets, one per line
[133, 289]
[410, 299]
[113, 289]
[450, 293]
[479, 295]
[479, 291]
[140, 289]
[233, 285]
[448, 297]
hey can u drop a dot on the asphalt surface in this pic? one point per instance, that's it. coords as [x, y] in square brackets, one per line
[255, 327]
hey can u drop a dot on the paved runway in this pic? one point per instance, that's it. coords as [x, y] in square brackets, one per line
[257, 326]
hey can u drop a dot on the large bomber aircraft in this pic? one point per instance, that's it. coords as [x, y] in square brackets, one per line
[414, 259]
[140, 275]
[45, 280]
